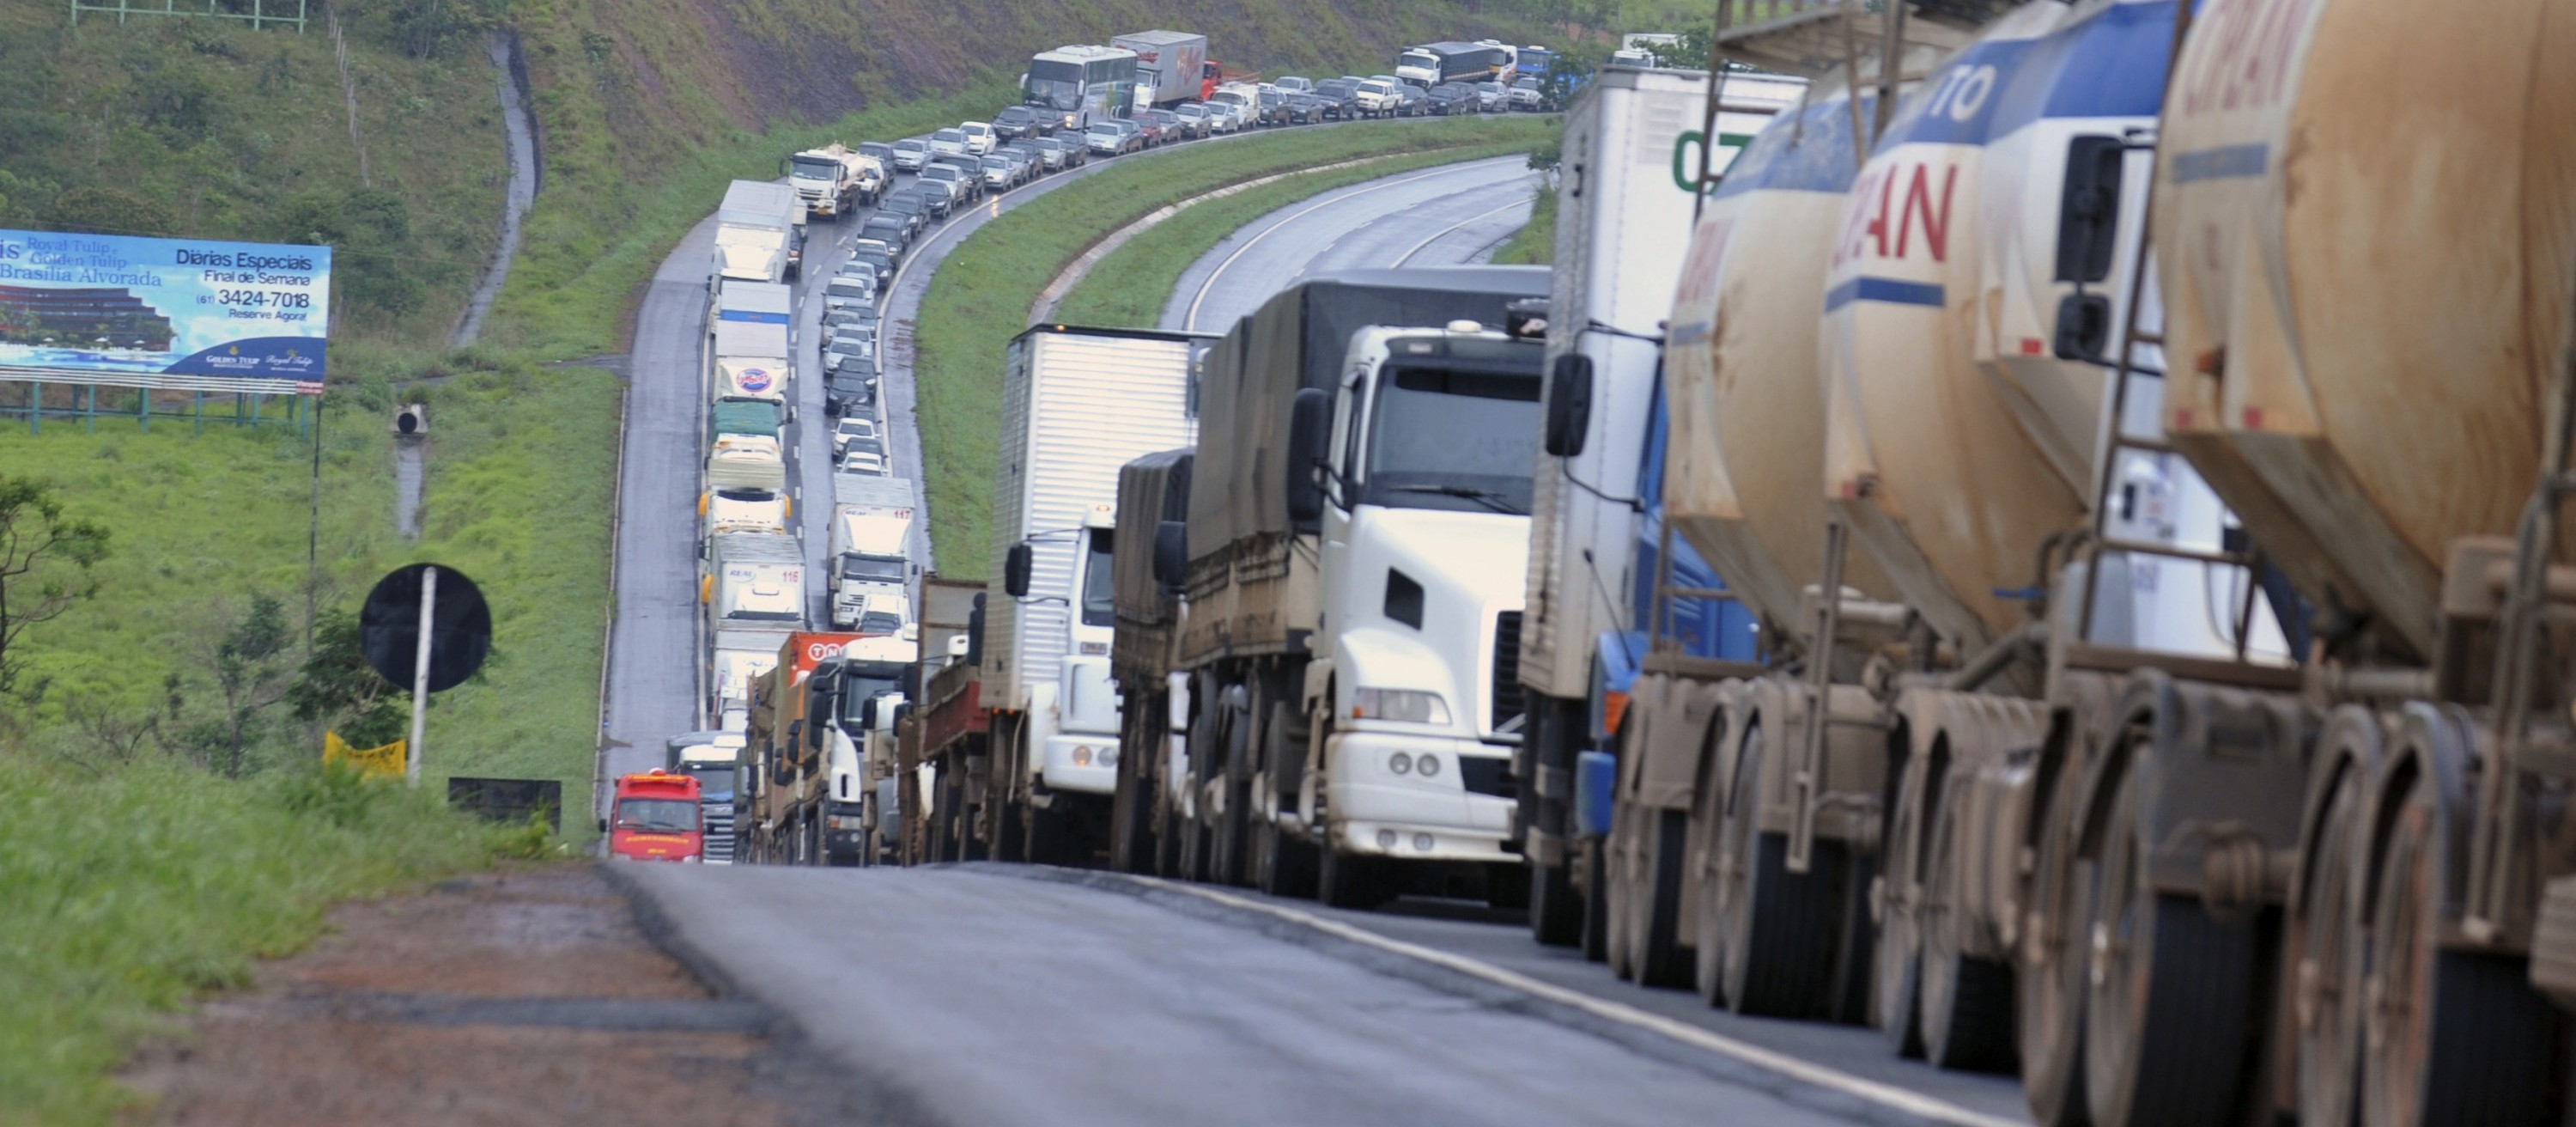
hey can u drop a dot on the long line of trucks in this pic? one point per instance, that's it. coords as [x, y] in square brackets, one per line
[2064, 565]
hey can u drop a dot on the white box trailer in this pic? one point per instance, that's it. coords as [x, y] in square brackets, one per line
[757, 226]
[872, 520]
[1173, 63]
[1077, 404]
[752, 318]
[754, 580]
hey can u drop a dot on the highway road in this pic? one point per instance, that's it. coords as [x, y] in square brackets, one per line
[1012, 994]
[652, 687]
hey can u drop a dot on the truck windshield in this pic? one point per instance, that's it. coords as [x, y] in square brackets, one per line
[1424, 59]
[1099, 596]
[886, 569]
[1452, 437]
[873, 680]
[816, 168]
[658, 815]
[714, 776]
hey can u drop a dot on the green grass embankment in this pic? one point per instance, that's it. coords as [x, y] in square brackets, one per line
[133, 891]
[1535, 243]
[981, 295]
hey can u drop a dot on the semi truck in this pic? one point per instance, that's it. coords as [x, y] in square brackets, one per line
[2185, 523]
[760, 233]
[872, 521]
[945, 726]
[835, 180]
[1612, 286]
[712, 758]
[753, 587]
[1252, 556]
[1148, 573]
[748, 345]
[1171, 66]
[1076, 404]
[1434, 63]
[808, 715]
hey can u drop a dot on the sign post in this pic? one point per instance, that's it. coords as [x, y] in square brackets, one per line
[420, 672]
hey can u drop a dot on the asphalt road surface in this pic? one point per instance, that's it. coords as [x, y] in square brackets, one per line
[1443, 216]
[1009, 995]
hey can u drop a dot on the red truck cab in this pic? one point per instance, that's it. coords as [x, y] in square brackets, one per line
[656, 818]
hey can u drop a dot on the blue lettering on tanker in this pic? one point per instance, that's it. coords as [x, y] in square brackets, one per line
[1807, 151]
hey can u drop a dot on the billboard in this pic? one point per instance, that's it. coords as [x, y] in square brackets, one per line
[205, 314]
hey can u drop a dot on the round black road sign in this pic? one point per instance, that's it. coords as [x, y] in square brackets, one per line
[460, 635]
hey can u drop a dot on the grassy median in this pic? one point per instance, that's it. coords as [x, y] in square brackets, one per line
[981, 295]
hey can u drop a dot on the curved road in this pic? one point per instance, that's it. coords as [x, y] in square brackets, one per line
[1013, 994]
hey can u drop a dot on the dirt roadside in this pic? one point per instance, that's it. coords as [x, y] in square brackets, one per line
[527, 996]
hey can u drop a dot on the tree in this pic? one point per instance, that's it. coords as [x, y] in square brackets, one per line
[250, 677]
[109, 211]
[339, 690]
[48, 562]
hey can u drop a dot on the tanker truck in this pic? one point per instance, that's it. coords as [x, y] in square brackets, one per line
[2186, 879]
[1613, 285]
[1396, 591]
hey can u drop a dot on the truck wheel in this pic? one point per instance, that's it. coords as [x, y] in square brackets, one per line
[1555, 912]
[1780, 927]
[1619, 865]
[1596, 899]
[2324, 951]
[1708, 967]
[1507, 888]
[2451, 1036]
[2167, 1013]
[1655, 898]
[1350, 880]
[2048, 990]
[1042, 834]
[1899, 968]
[1966, 1006]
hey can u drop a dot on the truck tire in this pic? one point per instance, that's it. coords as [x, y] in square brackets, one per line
[1350, 880]
[2324, 950]
[2458, 1036]
[1896, 999]
[2167, 1018]
[1596, 901]
[1555, 912]
[1657, 958]
[2048, 990]
[1966, 1003]
[1619, 866]
[1781, 931]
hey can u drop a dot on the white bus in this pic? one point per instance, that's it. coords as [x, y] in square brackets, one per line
[1081, 84]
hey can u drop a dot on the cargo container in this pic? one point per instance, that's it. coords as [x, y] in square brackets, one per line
[760, 229]
[1171, 66]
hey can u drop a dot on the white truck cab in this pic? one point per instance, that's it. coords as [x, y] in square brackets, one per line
[1424, 559]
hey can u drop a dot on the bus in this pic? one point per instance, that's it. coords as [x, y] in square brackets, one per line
[1082, 84]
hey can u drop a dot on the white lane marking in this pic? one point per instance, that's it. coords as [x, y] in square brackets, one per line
[1190, 322]
[1887, 1095]
[1445, 232]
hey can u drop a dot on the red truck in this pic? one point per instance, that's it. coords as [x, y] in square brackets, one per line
[656, 819]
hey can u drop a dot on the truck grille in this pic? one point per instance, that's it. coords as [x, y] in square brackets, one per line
[1488, 774]
[718, 819]
[1507, 674]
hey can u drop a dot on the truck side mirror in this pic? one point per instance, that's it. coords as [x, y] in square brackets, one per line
[868, 714]
[1310, 422]
[795, 732]
[1569, 405]
[975, 633]
[1172, 555]
[2088, 214]
[1016, 567]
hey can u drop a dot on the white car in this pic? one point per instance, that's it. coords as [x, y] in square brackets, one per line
[980, 137]
[851, 427]
[1379, 99]
[948, 142]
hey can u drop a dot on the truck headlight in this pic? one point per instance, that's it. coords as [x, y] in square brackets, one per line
[1082, 755]
[1412, 706]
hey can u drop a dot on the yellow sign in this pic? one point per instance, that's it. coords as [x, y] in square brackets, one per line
[387, 760]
